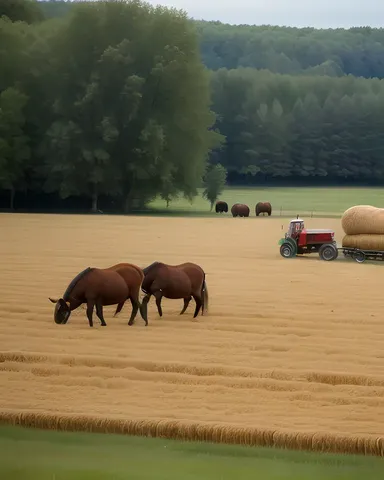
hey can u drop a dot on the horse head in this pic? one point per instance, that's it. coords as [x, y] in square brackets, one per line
[62, 311]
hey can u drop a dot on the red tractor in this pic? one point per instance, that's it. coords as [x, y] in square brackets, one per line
[299, 241]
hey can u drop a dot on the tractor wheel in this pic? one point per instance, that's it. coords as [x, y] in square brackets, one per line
[359, 257]
[286, 250]
[328, 252]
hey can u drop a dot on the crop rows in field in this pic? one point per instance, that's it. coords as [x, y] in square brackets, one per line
[290, 353]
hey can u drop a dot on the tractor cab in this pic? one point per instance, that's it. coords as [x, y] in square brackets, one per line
[296, 226]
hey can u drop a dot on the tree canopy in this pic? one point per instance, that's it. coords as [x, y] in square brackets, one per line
[27, 11]
[214, 183]
[333, 52]
[124, 101]
[358, 51]
[299, 126]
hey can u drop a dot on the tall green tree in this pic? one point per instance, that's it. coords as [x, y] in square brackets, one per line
[132, 111]
[214, 183]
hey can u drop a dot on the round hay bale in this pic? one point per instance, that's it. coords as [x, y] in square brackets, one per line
[363, 219]
[364, 241]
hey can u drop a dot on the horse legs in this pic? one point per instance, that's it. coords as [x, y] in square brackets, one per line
[90, 307]
[144, 306]
[199, 303]
[159, 295]
[99, 313]
[135, 308]
[186, 303]
[202, 302]
[144, 315]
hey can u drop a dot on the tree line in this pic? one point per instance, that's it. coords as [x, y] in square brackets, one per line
[357, 51]
[299, 127]
[334, 52]
[124, 102]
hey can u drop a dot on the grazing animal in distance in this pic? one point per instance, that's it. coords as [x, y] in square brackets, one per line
[240, 210]
[186, 281]
[221, 207]
[263, 207]
[101, 287]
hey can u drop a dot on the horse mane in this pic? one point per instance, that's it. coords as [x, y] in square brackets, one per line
[147, 269]
[73, 283]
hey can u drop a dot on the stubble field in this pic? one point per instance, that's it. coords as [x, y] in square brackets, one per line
[290, 353]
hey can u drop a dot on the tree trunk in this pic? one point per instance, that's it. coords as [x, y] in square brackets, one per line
[127, 204]
[94, 201]
[12, 198]
[128, 198]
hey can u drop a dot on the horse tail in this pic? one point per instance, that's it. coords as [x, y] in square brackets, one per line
[204, 295]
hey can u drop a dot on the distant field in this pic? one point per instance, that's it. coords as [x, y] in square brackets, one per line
[285, 201]
[37, 455]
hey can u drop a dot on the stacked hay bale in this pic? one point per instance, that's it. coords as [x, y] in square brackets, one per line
[363, 226]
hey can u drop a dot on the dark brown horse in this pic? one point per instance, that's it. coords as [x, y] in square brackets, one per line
[135, 304]
[240, 210]
[263, 207]
[185, 281]
[221, 207]
[101, 287]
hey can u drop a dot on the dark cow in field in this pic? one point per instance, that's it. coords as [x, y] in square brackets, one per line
[221, 207]
[263, 207]
[240, 210]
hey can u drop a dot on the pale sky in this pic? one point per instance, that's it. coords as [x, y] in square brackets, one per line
[298, 13]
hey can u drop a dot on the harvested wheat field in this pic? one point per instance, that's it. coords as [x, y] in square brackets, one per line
[290, 354]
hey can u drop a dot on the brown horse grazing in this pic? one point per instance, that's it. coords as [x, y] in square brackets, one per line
[101, 287]
[118, 268]
[240, 210]
[263, 207]
[185, 281]
[221, 207]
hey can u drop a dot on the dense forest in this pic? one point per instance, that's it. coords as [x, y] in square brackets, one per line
[114, 103]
